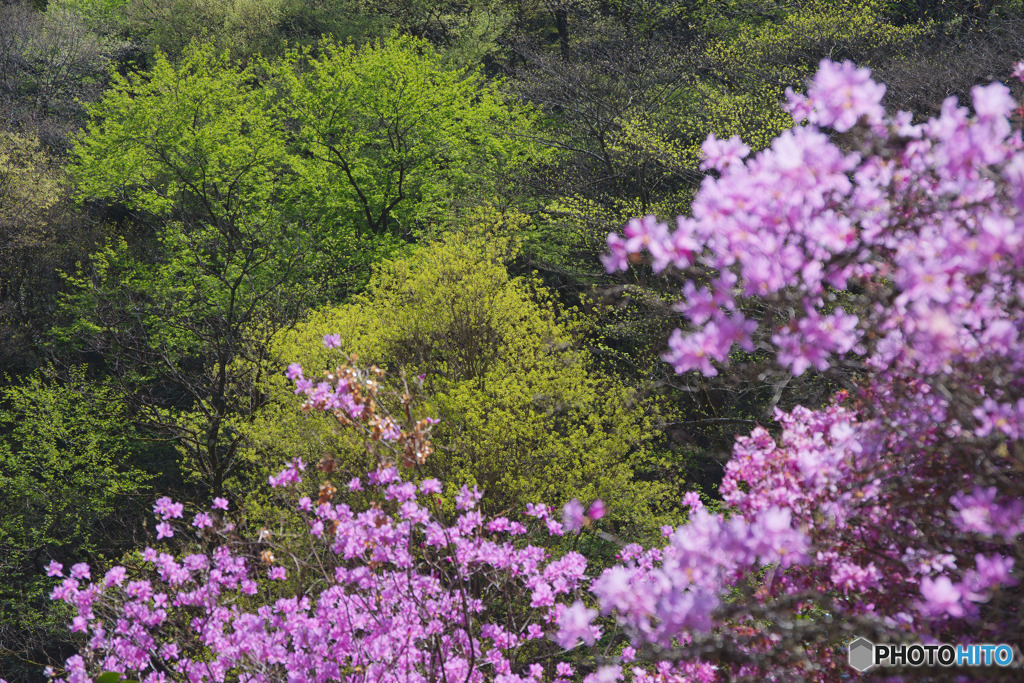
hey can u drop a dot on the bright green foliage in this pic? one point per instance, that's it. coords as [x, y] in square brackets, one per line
[525, 412]
[112, 677]
[391, 139]
[68, 490]
[359, 147]
[194, 140]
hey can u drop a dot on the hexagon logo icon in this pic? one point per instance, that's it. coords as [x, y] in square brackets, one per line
[862, 654]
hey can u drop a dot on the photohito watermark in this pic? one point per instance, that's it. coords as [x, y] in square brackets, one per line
[864, 655]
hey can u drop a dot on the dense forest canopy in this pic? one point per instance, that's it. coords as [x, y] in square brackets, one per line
[195, 193]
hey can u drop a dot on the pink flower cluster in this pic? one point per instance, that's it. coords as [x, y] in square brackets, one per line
[896, 250]
[934, 219]
[406, 599]
[663, 595]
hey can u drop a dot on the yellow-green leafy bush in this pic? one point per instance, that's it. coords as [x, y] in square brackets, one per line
[526, 413]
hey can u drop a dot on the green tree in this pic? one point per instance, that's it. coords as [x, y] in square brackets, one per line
[70, 491]
[193, 143]
[391, 139]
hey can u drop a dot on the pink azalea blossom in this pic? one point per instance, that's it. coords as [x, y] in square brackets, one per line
[572, 515]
